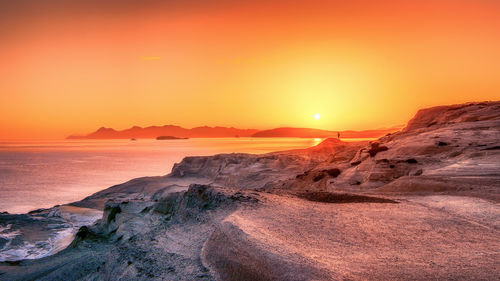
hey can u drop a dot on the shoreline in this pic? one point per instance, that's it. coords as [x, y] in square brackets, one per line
[42, 232]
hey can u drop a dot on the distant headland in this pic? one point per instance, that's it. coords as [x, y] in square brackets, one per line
[173, 131]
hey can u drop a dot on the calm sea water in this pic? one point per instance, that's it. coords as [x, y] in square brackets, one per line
[43, 174]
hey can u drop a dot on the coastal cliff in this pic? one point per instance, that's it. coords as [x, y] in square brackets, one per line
[416, 204]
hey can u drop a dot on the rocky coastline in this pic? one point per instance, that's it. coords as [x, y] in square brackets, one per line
[422, 203]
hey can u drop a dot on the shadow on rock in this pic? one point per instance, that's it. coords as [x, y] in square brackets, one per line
[328, 197]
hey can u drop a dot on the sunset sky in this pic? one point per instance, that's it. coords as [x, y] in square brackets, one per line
[72, 66]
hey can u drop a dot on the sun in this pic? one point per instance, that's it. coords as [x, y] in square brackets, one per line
[317, 116]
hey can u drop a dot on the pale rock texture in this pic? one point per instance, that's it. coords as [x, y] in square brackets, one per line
[418, 204]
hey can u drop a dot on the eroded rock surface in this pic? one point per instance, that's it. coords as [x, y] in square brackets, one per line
[446, 149]
[419, 204]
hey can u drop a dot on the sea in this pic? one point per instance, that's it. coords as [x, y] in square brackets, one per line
[41, 174]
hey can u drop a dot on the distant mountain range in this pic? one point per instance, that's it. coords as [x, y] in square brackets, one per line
[153, 132]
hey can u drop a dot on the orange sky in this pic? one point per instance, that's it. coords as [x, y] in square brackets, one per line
[73, 66]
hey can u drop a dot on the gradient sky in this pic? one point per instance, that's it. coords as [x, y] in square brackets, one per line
[73, 66]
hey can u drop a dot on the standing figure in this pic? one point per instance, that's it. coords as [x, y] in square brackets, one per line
[338, 135]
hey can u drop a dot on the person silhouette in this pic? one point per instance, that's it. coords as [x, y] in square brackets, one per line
[338, 135]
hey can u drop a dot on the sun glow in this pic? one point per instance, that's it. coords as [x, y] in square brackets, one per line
[255, 65]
